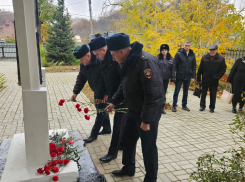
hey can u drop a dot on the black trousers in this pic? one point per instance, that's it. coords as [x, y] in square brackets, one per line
[165, 85]
[213, 92]
[118, 130]
[102, 119]
[241, 102]
[132, 133]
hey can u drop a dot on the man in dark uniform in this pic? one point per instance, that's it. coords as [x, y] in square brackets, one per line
[111, 78]
[90, 71]
[142, 90]
[212, 68]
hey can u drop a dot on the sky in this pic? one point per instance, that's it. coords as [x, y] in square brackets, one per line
[80, 8]
[76, 8]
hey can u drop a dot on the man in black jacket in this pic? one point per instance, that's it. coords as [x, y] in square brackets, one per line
[142, 89]
[212, 68]
[90, 71]
[110, 80]
[185, 65]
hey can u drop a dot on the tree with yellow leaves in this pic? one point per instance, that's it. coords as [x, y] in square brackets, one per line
[204, 22]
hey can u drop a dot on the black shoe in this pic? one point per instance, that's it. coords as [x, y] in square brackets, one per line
[234, 110]
[211, 110]
[201, 109]
[108, 158]
[186, 108]
[90, 139]
[122, 173]
[103, 133]
[163, 112]
[174, 109]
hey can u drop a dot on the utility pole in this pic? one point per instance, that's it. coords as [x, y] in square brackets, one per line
[91, 19]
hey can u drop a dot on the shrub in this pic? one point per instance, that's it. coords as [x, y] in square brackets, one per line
[228, 167]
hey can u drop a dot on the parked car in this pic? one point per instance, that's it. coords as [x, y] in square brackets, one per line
[2, 41]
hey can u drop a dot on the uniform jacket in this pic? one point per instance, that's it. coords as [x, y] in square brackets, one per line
[211, 71]
[111, 77]
[167, 67]
[90, 73]
[185, 65]
[142, 86]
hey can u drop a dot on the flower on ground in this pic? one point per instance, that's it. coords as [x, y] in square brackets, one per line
[52, 145]
[86, 110]
[66, 161]
[46, 168]
[79, 109]
[55, 178]
[77, 105]
[40, 171]
[87, 117]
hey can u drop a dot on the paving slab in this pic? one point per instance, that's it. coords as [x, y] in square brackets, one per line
[182, 136]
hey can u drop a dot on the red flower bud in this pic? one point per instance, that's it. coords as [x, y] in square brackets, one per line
[47, 172]
[40, 171]
[56, 170]
[53, 154]
[54, 162]
[86, 110]
[66, 161]
[60, 161]
[46, 168]
[60, 104]
[87, 117]
[52, 145]
[59, 153]
[62, 101]
[77, 105]
[55, 178]
[79, 109]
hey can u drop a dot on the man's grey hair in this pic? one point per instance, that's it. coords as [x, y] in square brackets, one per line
[187, 42]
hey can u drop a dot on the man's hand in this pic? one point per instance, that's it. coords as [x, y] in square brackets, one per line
[105, 98]
[110, 107]
[193, 79]
[145, 127]
[73, 97]
[98, 101]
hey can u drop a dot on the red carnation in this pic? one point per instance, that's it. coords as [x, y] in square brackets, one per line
[71, 142]
[55, 178]
[56, 170]
[87, 117]
[66, 161]
[40, 171]
[86, 110]
[46, 168]
[53, 154]
[52, 145]
[47, 172]
[52, 167]
[62, 141]
[79, 109]
[60, 149]
[60, 161]
[60, 104]
[62, 101]
[59, 153]
[49, 163]
[54, 162]
[77, 105]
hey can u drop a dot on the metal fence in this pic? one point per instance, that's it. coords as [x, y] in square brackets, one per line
[231, 55]
[7, 51]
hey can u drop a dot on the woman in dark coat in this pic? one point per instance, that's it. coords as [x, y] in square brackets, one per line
[167, 66]
[237, 79]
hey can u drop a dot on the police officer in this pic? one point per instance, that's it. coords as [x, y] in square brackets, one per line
[90, 71]
[111, 78]
[142, 89]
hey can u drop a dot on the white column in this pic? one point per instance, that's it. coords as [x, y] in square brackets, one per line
[34, 97]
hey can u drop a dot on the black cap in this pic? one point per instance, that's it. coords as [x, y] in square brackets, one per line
[81, 51]
[213, 47]
[117, 41]
[97, 43]
[164, 46]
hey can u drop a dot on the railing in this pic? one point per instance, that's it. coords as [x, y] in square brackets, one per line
[8, 51]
